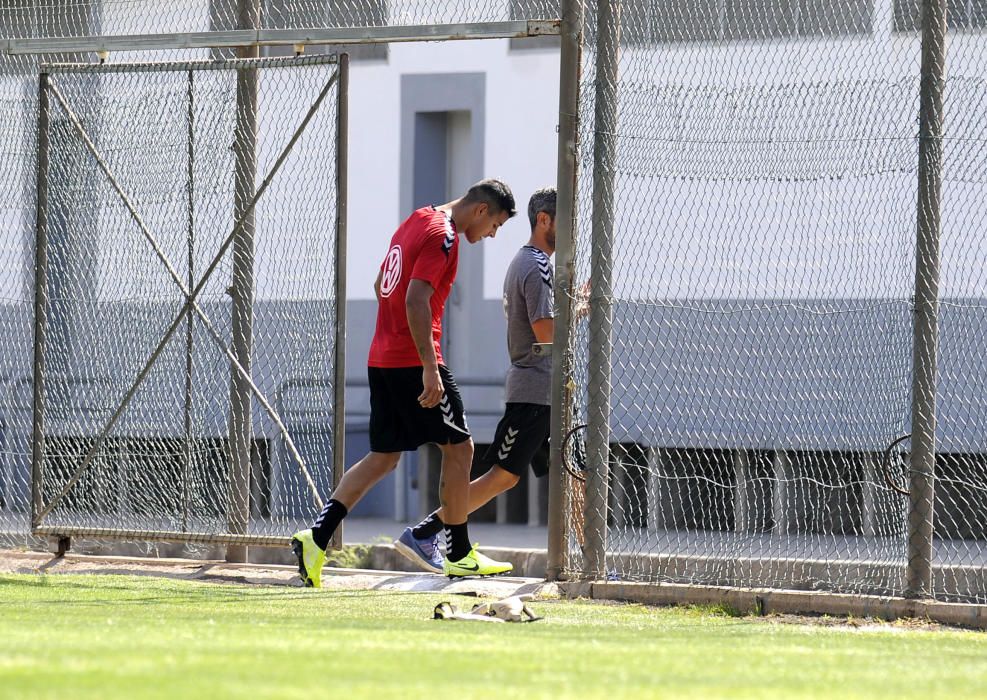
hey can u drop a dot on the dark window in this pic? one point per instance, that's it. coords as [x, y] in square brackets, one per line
[22, 19]
[961, 502]
[19, 21]
[687, 20]
[770, 19]
[978, 14]
[535, 9]
[147, 476]
[654, 22]
[960, 15]
[906, 15]
[760, 19]
[290, 14]
[835, 18]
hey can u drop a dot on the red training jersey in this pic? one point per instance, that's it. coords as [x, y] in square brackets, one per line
[425, 247]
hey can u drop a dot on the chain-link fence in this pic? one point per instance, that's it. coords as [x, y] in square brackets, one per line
[747, 221]
[745, 305]
[961, 465]
[150, 416]
[140, 198]
[168, 462]
[108, 18]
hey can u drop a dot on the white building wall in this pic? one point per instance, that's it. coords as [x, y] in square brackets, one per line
[821, 239]
[822, 203]
[521, 114]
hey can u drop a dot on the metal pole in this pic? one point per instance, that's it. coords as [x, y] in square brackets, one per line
[601, 269]
[741, 470]
[923, 456]
[781, 467]
[242, 289]
[280, 37]
[339, 385]
[190, 191]
[40, 303]
[565, 218]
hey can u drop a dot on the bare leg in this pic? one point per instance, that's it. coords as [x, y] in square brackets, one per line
[487, 487]
[454, 483]
[361, 477]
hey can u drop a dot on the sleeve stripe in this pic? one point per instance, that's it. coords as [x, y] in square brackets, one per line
[450, 235]
[544, 266]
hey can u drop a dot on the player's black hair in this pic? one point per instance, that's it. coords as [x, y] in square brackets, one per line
[495, 194]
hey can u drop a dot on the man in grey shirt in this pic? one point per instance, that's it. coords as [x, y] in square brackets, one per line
[522, 434]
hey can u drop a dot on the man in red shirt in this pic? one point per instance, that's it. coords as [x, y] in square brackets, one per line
[413, 395]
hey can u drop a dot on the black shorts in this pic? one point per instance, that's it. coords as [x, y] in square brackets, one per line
[398, 423]
[522, 439]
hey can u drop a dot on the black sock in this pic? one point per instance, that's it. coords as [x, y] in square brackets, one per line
[327, 522]
[457, 541]
[429, 527]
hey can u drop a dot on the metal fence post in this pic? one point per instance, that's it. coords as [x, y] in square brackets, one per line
[601, 271]
[40, 302]
[568, 152]
[923, 455]
[339, 382]
[242, 289]
[189, 329]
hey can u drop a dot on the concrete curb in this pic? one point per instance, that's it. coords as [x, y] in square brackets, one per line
[765, 601]
[217, 571]
[529, 564]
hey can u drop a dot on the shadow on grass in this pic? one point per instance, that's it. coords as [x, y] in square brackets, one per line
[100, 584]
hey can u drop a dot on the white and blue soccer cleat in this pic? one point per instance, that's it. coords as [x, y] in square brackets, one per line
[426, 553]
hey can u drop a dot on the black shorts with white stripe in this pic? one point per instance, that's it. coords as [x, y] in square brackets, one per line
[398, 423]
[521, 439]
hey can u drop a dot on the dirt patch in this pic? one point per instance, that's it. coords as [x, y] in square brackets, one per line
[850, 623]
[858, 624]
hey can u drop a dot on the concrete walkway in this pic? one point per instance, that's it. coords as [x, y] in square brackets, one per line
[212, 571]
[374, 530]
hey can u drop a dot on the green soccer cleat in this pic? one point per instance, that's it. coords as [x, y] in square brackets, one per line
[310, 558]
[475, 564]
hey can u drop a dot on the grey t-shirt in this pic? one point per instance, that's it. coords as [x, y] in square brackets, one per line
[528, 297]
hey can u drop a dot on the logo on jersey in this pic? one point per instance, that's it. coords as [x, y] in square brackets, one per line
[510, 437]
[392, 271]
[449, 416]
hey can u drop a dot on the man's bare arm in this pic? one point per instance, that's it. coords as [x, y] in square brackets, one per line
[419, 312]
[544, 329]
[380, 276]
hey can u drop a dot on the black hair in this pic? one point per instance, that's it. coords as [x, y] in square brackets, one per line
[495, 194]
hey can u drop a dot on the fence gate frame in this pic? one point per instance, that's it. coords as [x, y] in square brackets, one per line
[246, 198]
[247, 40]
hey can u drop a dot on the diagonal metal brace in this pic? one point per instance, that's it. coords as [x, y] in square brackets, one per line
[190, 303]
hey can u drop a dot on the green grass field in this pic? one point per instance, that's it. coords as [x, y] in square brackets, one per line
[125, 637]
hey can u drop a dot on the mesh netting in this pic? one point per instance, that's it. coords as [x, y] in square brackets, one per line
[764, 184]
[169, 141]
[290, 296]
[47, 18]
[961, 465]
[765, 162]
